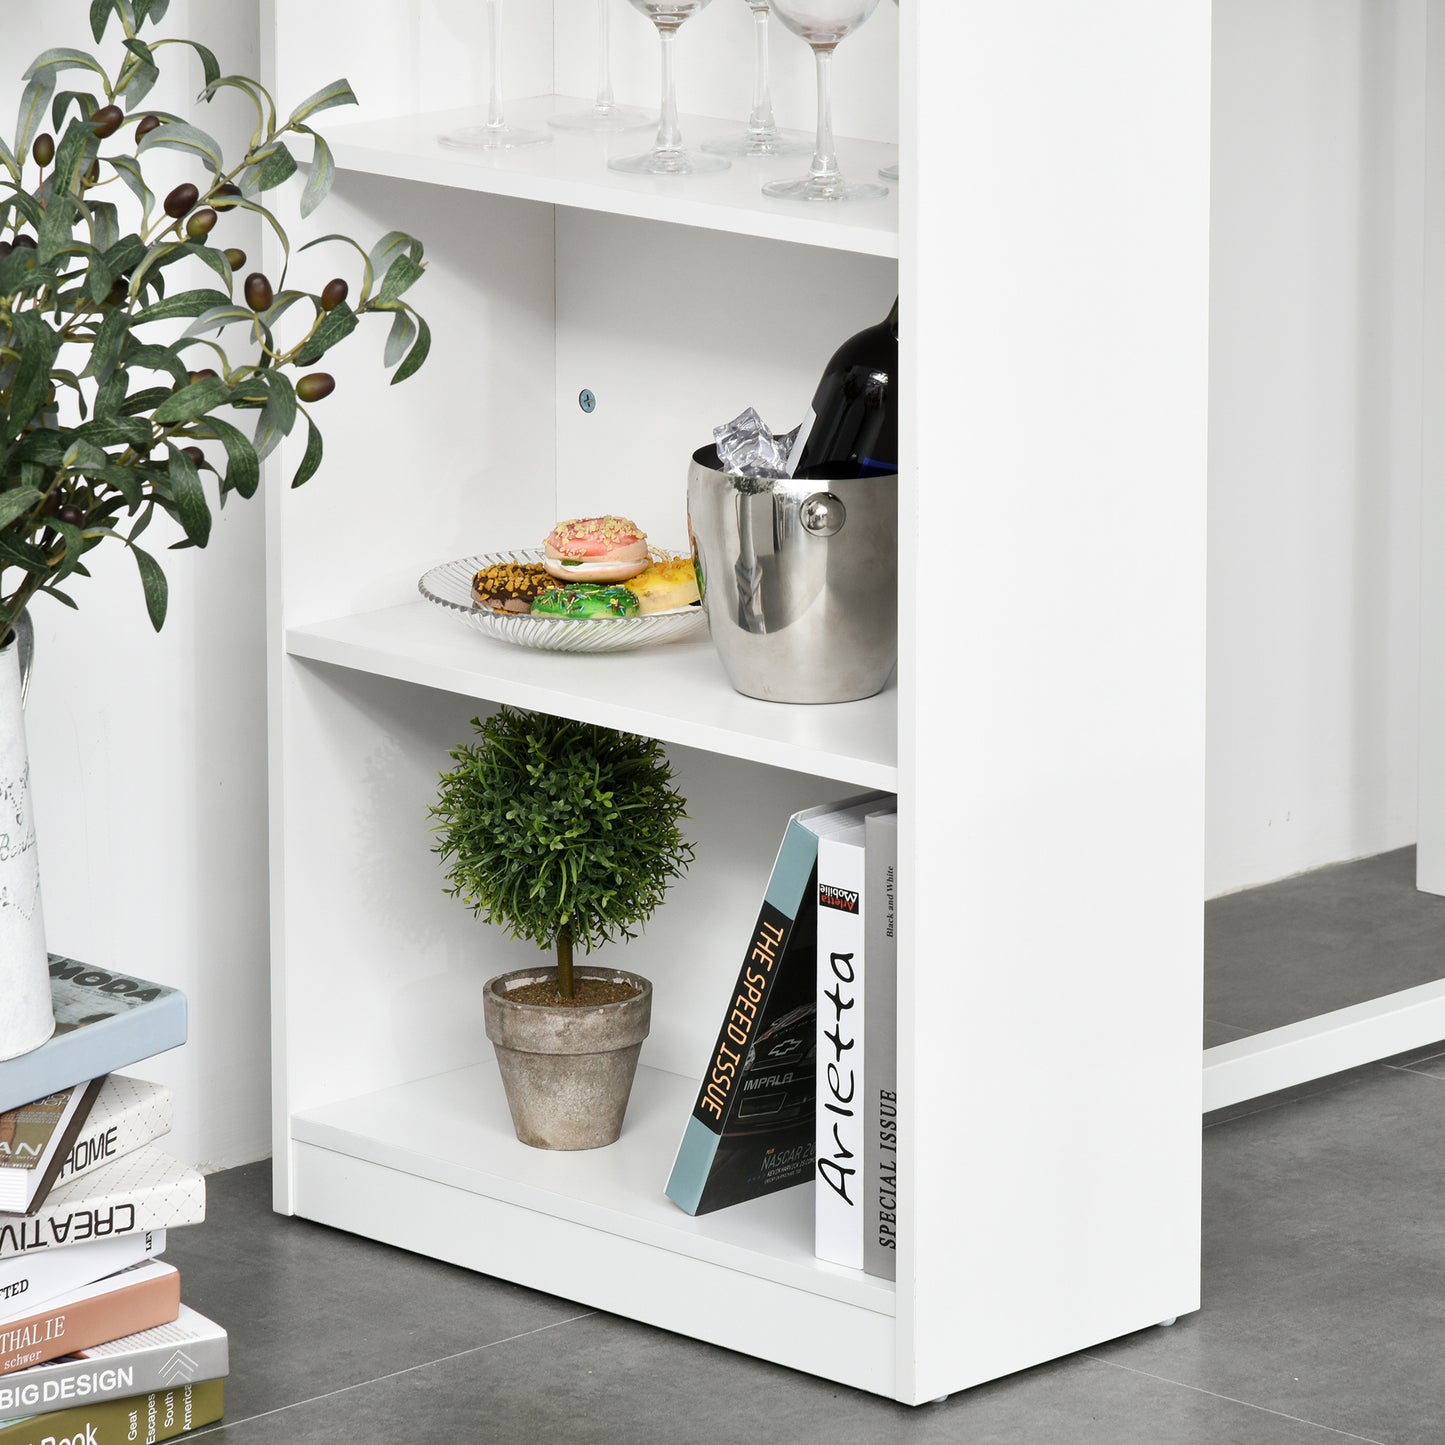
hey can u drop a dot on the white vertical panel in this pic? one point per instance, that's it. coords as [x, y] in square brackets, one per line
[147, 752]
[1052, 732]
[1315, 430]
[1431, 855]
[676, 330]
[407, 58]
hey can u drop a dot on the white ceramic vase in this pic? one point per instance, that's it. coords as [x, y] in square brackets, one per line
[25, 1017]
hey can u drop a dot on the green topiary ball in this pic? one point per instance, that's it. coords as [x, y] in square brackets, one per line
[553, 827]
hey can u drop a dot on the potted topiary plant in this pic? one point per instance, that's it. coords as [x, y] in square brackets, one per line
[107, 415]
[564, 833]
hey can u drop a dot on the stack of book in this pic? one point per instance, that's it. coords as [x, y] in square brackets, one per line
[802, 1085]
[95, 1344]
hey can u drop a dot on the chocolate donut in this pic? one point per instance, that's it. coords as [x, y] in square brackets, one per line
[510, 586]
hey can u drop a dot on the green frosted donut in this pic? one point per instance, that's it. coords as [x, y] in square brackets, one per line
[586, 599]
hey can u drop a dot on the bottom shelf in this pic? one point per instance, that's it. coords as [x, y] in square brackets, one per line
[433, 1166]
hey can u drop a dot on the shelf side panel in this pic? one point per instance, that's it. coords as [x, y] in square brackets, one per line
[1051, 714]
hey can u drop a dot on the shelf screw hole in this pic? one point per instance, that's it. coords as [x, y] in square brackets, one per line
[587, 401]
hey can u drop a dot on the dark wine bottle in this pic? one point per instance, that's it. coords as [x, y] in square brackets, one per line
[851, 430]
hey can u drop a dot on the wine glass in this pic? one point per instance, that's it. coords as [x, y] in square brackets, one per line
[667, 156]
[606, 114]
[823, 23]
[496, 134]
[762, 137]
[889, 173]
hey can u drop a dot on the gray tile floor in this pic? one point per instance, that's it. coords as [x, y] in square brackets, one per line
[1324, 1275]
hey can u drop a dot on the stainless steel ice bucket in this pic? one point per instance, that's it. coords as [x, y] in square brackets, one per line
[799, 581]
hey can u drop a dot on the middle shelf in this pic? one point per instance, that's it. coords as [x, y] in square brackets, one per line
[676, 693]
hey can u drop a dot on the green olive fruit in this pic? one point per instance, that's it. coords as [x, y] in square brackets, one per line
[181, 199]
[106, 121]
[200, 375]
[334, 293]
[201, 223]
[235, 257]
[117, 292]
[52, 505]
[25, 240]
[223, 197]
[92, 173]
[316, 386]
[72, 514]
[43, 149]
[146, 125]
[196, 455]
[258, 292]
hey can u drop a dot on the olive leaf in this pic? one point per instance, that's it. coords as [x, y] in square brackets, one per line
[103, 421]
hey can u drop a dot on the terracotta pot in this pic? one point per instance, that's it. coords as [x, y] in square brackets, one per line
[25, 1017]
[567, 1070]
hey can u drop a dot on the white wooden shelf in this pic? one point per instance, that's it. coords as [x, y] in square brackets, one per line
[676, 693]
[454, 1129]
[433, 1166]
[572, 171]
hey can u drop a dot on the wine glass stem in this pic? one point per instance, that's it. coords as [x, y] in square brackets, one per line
[825, 162]
[495, 118]
[604, 59]
[761, 120]
[669, 137]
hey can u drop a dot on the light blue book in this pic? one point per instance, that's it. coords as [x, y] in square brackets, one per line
[103, 1021]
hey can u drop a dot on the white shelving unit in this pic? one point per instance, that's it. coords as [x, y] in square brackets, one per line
[1044, 734]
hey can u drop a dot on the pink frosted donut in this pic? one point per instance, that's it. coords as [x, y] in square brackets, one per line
[596, 549]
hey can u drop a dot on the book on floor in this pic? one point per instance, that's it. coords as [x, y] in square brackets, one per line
[880, 1047]
[133, 1420]
[35, 1141]
[136, 1299]
[751, 1130]
[187, 1349]
[145, 1190]
[127, 1114]
[103, 1021]
[31, 1279]
[841, 1116]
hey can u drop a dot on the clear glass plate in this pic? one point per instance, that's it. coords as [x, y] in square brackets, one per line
[450, 586]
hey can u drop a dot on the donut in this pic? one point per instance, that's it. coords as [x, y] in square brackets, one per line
[665, 585]
[586, 599]
[510, 586]
[596, 549]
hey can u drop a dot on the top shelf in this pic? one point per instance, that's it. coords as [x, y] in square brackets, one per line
[572, 171]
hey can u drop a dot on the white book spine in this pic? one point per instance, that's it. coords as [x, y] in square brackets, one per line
[880, 1151]
[127, 1114]
[33, 1279]
[838, 1192]
[161, 1358]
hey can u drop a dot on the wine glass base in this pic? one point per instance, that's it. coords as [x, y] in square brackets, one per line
[759, 147]
[493, 138]
[889, 173]
[678, 162]
[604, 119]
[825, 188]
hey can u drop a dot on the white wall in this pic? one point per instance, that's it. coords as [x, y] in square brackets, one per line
[1315, 414]
[148, 752]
